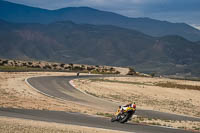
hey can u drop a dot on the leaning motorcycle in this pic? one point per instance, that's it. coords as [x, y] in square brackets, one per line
[124, 115]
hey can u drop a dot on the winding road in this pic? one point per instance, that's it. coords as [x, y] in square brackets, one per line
[59, 87]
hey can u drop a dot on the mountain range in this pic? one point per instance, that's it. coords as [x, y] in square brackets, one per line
[69, 42]
[84, 15]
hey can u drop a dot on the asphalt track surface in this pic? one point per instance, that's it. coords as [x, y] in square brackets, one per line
[59, 87]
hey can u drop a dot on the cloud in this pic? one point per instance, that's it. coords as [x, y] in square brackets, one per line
[196, 26]
[174, 5]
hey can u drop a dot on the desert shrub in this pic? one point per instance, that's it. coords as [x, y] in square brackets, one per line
[117, 72]
[152, 75]
[131, 71]
[23, 64]
[5, 62]
[30, 63]
[54, 65]
[47, 67]
[83, 67]
[1, 62]
[68, 68]
[112, 69]
[62, 65]
[36, 66]
[71, 64]
[90, 68]
[77, 68]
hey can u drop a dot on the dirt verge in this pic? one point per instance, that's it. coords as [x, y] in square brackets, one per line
[15, 125]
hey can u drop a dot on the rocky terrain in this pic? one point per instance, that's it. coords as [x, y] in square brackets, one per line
[17, 65]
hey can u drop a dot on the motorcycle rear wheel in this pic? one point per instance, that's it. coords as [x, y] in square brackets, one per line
[125, 118]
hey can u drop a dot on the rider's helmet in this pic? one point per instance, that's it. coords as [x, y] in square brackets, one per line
[134, 105]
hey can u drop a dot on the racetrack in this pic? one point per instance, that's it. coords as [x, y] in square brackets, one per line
[59, 87]
[84, 120]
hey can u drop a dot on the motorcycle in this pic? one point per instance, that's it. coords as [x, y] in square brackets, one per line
[123, 116]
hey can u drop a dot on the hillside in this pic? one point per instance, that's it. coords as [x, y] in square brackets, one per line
[25, 14]
[68, 42]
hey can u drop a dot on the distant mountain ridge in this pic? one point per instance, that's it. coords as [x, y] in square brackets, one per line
[68, 42]
[25, 14]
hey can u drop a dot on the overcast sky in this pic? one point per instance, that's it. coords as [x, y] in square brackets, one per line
[187, 11]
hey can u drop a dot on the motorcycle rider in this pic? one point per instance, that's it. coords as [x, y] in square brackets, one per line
[124, 113]
[124, 107]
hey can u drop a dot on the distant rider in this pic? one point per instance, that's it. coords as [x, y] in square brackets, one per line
[77, 74]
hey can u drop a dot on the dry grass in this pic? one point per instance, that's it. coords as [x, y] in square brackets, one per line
[186, 125]
[178, 86]
[147, 93]
[13, 125]
[160, 84]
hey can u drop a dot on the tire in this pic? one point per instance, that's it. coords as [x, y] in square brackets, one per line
[125, 119]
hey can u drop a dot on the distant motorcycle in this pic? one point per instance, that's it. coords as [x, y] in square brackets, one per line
[77, 74]
[122, 115]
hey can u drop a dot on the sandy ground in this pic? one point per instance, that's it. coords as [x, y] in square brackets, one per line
[186, 125]
[14, 125]
[145, 94]
[15, 93]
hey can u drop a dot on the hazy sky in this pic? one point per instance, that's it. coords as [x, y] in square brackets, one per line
[187, 11]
